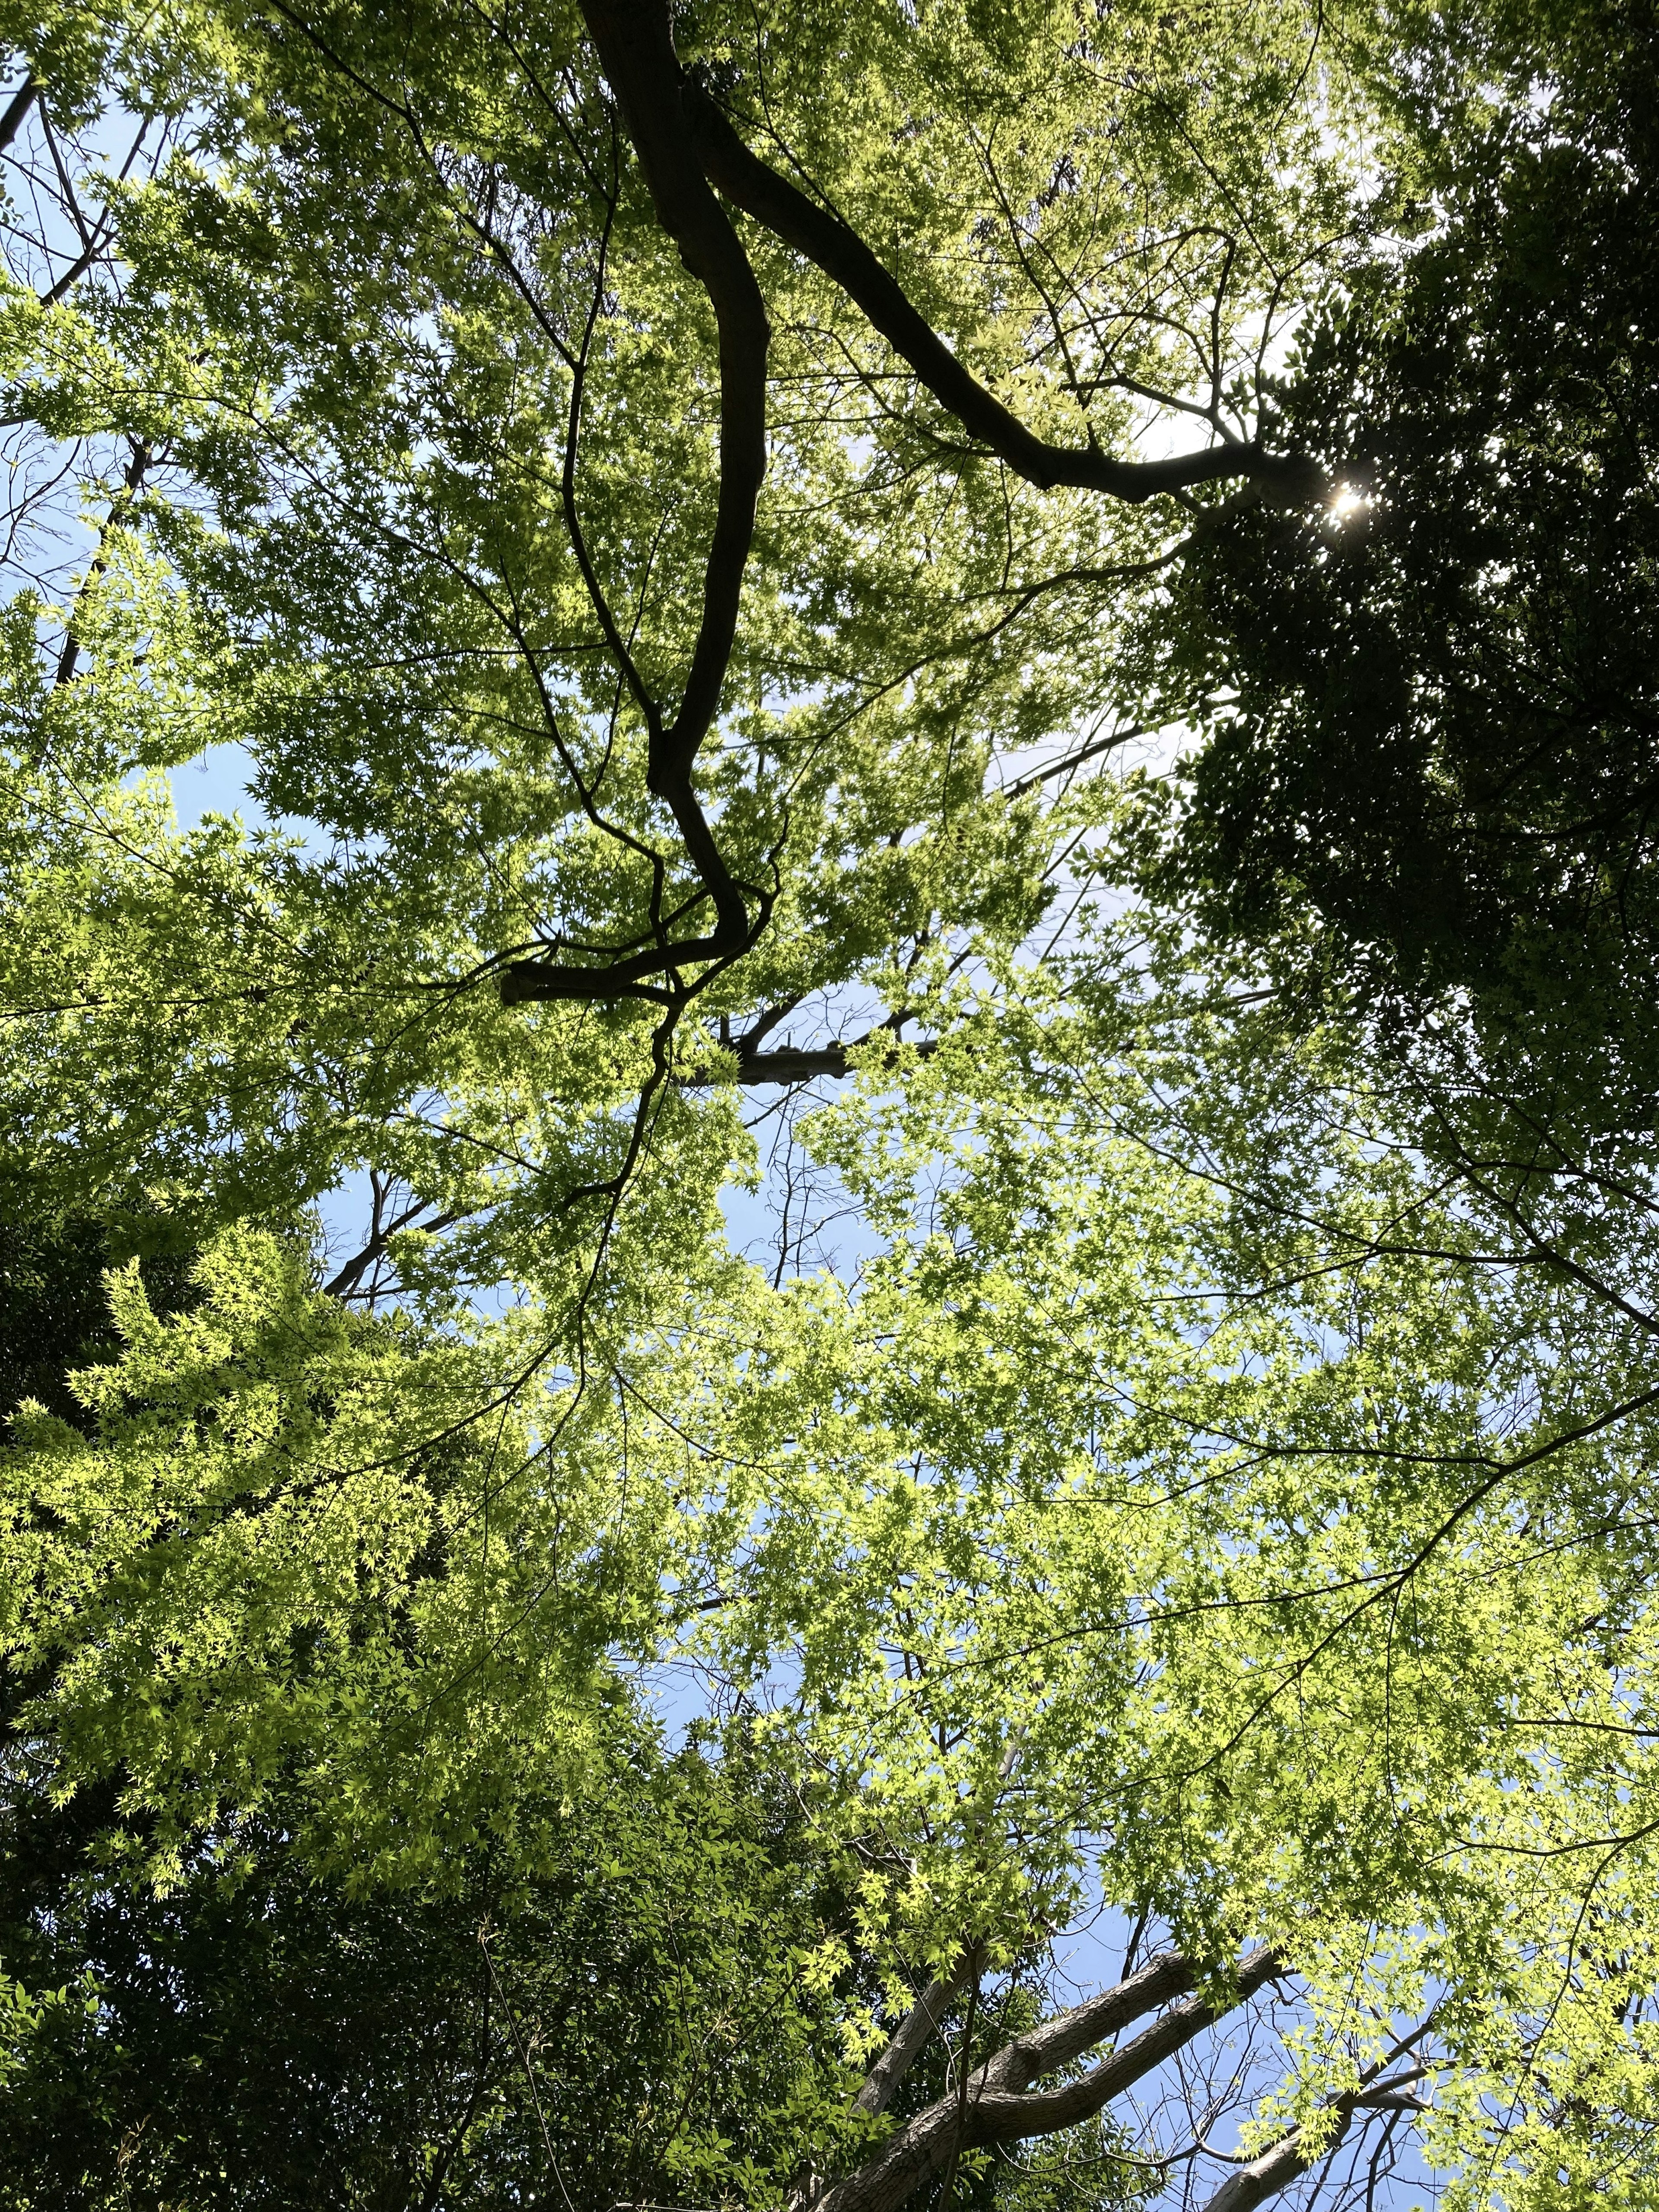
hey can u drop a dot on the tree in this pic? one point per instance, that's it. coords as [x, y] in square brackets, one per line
[1340, 1564]
[619, 1978]
[439, 527]
[566, 2026]
[1438, 750]
[1185, 1500]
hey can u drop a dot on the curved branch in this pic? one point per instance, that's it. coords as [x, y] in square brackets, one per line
[828, 242]
[634, 42]
[636, 46]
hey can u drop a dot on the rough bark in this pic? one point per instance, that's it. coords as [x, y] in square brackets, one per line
[994, 2108]
[912, 2034]
[1058, 2041]
[1276, 2169]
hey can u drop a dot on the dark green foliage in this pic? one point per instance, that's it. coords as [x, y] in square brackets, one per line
[1446, 740]
[259, 2039]
[254, 2041]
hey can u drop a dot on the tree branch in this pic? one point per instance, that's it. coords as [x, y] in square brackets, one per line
[790, 1063]
[828, 242]
[132, 482]
[16, 109]
[1058, 2041]
[1286, 2161]
[344, 1284]
[913, 2032]
[995, 2110]
[634, 42]
[636, 46]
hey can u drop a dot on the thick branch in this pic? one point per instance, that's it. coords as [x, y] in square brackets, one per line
[787, 1063]
[617, 979]
[993, 2110]
[1058, 2041]
[1002, 2117]
[1277, 2168]
[842, 255]
[636, 49]
[16, 109]
[627, 977]
[634, 42]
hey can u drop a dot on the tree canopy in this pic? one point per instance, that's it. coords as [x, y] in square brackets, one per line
[830, 1376]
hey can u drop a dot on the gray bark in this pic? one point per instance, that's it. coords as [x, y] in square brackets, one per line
[994, 2108]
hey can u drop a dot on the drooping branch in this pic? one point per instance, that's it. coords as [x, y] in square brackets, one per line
[996, 2105]
[844, 258]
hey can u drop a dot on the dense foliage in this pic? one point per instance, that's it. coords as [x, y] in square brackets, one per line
[515, 1689]
[1440, 739]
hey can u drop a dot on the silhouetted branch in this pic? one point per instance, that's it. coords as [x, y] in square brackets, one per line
[842, 255]
[17, 108]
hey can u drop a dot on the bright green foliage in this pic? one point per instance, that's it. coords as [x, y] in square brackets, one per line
[1311, 1607]
[407, 349]
[1212, 1478]
[309, 1545]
